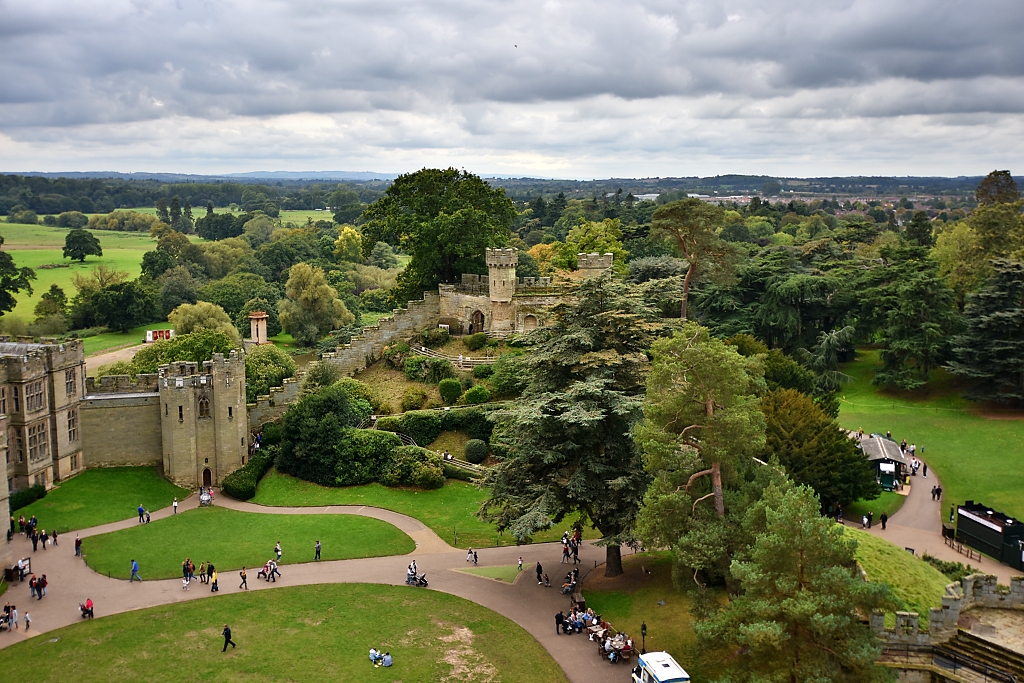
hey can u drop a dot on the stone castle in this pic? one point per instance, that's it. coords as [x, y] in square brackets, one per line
[192, 421]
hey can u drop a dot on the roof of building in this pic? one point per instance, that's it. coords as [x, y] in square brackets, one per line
[665, 668]
[880, 448]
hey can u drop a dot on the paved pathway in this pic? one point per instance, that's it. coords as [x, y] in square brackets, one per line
[918, 525]
[529, 605]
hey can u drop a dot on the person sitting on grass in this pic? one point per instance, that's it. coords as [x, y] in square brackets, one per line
[386, 659]
[375, 655]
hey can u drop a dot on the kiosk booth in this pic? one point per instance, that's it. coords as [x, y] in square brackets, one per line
[993, 533]
[890, 463]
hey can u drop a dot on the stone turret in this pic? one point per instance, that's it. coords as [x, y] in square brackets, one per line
[592, 265]
[258, 327]
[501, 267]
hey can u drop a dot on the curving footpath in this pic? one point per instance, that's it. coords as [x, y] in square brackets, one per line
[918, 525]
[529, 605]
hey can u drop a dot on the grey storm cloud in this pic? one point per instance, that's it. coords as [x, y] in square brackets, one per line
[558, 80]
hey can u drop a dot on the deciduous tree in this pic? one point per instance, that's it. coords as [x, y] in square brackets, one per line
[53, 302]
[311, 308]
[203, 315]
[125, 305]
[80, 243]
[12, 280]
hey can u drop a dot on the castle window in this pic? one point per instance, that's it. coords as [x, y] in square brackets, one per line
[38, 443]
[165, 410]
[72, 425]
[20, 446]
[230, 412]
[204, 407]
[74, 463]
[69, 382]
[17, 401]
[181, 414]
[34, 396]
[3, 400]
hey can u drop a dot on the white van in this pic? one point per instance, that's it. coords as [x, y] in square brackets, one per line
[659, 667]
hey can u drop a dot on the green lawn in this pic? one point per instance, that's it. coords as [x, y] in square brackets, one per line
[121, 250]
[307, 633]
[918, 584]
[507, 573]
[976, 458]
[888, 502]
[231, 539]
[102, 496]
[445, 510]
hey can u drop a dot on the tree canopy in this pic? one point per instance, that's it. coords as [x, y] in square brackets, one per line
[80, 243]
[12, 280]
[444, 219]
[311, 308]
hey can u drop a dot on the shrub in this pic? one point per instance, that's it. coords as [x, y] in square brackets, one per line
[241, 484]
[434, 338]
[483, 371]
[266, 366]
[508, 378]
[30, 495]
[475, 342]
[320, 374]
[313, 431]
[414, 466]
[453, 472]
[451, 390]
[953, 570]
[424, 426]
[467, 382]
[363, 456]
[272, 434]
[358, 392]
[476, 451]
[478, 394]
[413, 399]
[429, 370]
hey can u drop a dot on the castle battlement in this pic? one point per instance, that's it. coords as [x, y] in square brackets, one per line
[122, 384]
[502, 258]
[594, 261]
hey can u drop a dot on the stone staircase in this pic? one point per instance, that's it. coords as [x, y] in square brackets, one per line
[994, 658]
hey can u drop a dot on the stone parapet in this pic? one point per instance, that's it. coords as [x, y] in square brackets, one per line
[122, 384]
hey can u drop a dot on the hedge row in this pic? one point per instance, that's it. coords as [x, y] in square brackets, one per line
[241, 484]
[424, 426]
[30, 495]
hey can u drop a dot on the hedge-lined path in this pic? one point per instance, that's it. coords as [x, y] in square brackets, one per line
[918, 525]
[531, 606]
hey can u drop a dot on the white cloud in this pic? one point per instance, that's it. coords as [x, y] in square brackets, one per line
[580, 89]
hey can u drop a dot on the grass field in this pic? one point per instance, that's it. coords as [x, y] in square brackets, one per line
[445, 510]
[36, 245]
[976, 458]
[102, 496]
[918, 584]
[308, 633]
[231, 539]
[507, 573]
[888, 502]
[112, 340]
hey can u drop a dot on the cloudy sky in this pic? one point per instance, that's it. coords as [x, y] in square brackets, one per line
[604, 88]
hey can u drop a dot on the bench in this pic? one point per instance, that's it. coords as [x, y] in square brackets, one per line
[579, 601]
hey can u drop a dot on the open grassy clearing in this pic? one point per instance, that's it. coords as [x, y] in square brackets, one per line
[390, 385]
[445, 510]
[102, 496]
[231, 539]
[507, 573]
[918, 584]
[976, 458]
[453, 442]
[109, 341]
[306, 633]
[888, 502]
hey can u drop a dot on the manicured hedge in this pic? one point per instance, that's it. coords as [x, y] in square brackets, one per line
[453, 472]
[30, 495]
[475, 342]
[483, 371]
[413, 398]
[478, 394]
[426, 425]
[476, 451]
[450, 390]
[241, 484]
[414, 466]
[426, 369]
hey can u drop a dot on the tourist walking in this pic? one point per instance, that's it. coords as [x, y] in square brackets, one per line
[924, 468]
[209, 571]
[78, 546]
[277, 549]
[28, 620]
[175, 504]
[135, 572]
[14, 617]
[227, 638]
[202, 572]
[520, 563]
[540, 574]
[474, 557]
[41, 587]
[44, 538]
[214, 588]
[884, 518]
[244, 583]
[35, 541]
[317, 548]
[142, 514]
[559, 623]
[469, 555]
[871, 518]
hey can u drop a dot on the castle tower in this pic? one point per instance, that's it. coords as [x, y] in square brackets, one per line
[258, 327]
[592, 265]
[501, 268]
[204, 420]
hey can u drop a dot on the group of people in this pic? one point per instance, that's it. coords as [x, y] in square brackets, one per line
[571, 546]
[207, 574]
[30, 528]
[143, 514]
[936, 493]
[37, 587]
[571, 579]
[9, 618]
[380, 659]
[269, 572]
[575, 621]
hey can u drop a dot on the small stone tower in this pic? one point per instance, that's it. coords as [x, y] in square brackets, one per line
[258, 327]
[204, 420]
[501, 268]
[592, 265]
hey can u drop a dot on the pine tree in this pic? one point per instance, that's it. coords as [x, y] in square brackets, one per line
[990, 352]
[919, 230]
[161, 211]
[797, 616]
[566, 446]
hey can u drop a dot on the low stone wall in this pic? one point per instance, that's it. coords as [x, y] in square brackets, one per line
[365, 349]
[122, 384]
[976, 590]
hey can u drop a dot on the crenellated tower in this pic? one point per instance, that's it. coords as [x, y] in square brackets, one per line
[501, 269]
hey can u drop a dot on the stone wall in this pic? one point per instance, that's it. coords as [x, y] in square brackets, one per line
[976, 590]
[122, 384]
[365, 349]
[121, 429]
